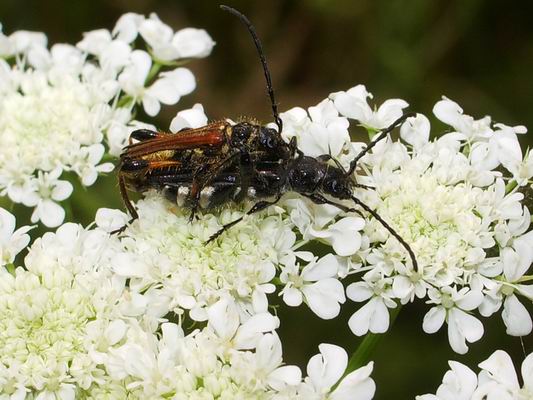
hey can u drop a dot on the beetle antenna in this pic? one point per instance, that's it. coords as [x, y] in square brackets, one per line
[257, 42]
[382, 135]
[390, 229]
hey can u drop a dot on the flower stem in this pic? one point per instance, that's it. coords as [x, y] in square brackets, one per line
[11, 268]
[364, 351]
[124, 101]
[153, 72]
[525, 278]
[510, 186]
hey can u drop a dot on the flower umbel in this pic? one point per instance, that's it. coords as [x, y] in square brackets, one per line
[59, 316]
[448, 201]
[63, 108]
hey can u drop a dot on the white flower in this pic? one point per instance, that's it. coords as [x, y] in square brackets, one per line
[459, 383]
[326, 369]
[374, 315]
[191, 118]
[167, 90]
[516, 261]
[322, 132]
[127, 27]
[188, 366]
[451, 114]
[510, 153]
[224, 320]
[318, 222]
[45, 191]
[497, 380]
[168, 46]
[444, 198]
[415, 130]
[193, 43]
[86, 163]
[158, 35]
[11, 241]
[109, 219]
[452, 304]
[265, 364]
[22, 41]
[95, 42]
[353, 104]
[316, 283]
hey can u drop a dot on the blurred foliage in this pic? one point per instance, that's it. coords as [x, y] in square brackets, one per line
[478, 53]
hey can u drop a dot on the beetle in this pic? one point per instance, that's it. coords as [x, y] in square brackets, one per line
[206, 151]
[211, 149]
[221, 163]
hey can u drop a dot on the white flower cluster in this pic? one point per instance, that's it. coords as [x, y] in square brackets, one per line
[62, 108]
[454, 200]
[59, 315]
[156, 312]
[71, 327]
[446, 198]
[230, 360]
[497, 380]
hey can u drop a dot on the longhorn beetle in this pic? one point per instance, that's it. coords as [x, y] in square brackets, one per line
[221, 163]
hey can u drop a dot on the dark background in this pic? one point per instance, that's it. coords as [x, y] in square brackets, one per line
[478, 53]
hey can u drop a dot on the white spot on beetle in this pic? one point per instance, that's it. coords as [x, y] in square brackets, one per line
[251, 192]
[205, 196]
[181, 196]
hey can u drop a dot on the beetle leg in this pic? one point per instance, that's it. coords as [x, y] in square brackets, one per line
[127, 203]
[319, 199]
[246, 170]
[143, 134]
[126, 199]
[327, 157]
[204, 176]
[358, 185]
[293, 146]
[259, 206]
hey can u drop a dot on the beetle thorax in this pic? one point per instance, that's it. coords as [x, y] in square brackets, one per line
[305, 174]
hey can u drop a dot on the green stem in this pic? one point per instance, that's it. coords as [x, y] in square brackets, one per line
[510, 186]
[156, 67]
[124, 101]
[364, 351]
[525, 278]
[11, 268]
[371, 131]
[276, 281]
[108, 157]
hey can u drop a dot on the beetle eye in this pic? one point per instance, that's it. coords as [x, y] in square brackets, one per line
[269, 138]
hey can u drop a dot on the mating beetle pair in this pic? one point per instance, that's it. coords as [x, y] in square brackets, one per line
[220, 163]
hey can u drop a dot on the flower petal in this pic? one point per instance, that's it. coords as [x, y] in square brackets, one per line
[326, 368]
[516, 317]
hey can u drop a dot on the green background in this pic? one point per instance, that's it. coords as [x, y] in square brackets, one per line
[478, 53]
